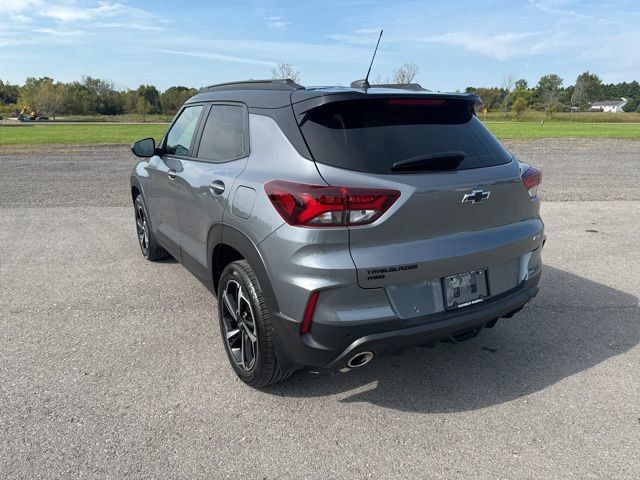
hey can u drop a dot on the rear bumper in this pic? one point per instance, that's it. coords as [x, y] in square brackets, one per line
[331, 346]
[437, 330]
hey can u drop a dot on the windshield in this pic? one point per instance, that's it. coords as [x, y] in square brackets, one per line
[372, 135]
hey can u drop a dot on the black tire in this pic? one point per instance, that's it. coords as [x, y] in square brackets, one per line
[148, 245]
[264, 370]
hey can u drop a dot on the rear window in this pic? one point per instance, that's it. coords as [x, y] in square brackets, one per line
[371, 135]
[223, 137]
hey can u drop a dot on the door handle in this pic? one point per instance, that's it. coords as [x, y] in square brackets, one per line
[171, 174]
[217, 187]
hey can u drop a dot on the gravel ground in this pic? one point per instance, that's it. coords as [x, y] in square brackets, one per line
[584, 169]
[97, 175]
[112, 366]
[64, 175]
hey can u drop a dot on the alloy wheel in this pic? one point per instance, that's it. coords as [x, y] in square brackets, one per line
[142, 229]
[239, 324]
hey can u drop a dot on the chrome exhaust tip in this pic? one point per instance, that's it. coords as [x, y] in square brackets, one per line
[360, 359]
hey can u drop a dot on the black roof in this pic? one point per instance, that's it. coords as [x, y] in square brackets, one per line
[281, 93]
[286, 85]
[255, 93]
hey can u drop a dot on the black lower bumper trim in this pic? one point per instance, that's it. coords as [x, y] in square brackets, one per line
[448, 328]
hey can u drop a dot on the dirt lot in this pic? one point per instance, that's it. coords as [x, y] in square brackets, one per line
[112, 366]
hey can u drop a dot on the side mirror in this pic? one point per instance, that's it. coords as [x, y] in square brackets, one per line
[144, 148]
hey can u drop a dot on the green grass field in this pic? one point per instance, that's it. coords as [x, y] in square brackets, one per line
[125, 134]
[70, 134]
[504, 130]
[563, 117]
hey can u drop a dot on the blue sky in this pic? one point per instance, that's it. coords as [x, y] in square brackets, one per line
[197, 43]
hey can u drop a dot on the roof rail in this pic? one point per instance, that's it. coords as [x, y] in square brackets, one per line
[256, 85]
[416, 87]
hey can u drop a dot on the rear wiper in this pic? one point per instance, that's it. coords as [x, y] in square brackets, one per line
[435, 161]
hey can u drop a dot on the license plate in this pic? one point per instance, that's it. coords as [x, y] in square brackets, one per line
[465, 289]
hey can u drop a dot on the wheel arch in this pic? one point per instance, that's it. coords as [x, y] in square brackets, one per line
[136, 188]
[225, 237]
[227, 244]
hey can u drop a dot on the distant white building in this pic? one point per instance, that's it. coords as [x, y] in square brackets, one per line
[613, 106]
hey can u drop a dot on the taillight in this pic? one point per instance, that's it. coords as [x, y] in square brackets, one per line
[531, 179]
[325, 206]
[431, 102]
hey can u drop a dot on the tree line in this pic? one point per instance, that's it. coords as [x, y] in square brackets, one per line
[91, 96]
[549, 95]
[95, 96]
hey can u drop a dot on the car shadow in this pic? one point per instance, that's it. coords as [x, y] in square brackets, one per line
[168, 260]
[573, 325]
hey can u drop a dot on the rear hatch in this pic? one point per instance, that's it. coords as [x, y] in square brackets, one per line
[462, 204]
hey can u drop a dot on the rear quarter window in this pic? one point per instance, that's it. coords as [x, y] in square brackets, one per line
[371, 135]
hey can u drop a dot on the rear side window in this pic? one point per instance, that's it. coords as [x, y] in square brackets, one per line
[181, 134]
[371, 135]
[224, 136]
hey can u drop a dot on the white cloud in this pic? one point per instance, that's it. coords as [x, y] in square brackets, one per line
[14, 42]
[341, 37]
[564, 8]
[128, 26]
[290, 52]
[21, 19]
[61, 33]
[218, 56]
[557, 7]
[362, 31]
[363, 36]
[71, 12]
[501, 46]
[277, 23]
[17, 6]
[41, 36]
[67, 11]
[42, 22]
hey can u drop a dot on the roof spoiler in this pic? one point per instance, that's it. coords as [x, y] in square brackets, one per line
[301, 108]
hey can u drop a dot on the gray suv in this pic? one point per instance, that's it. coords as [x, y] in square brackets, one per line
[336, 224]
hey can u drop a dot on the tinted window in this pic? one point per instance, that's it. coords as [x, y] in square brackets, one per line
[223, 137]
[371, 135]
[181, 133]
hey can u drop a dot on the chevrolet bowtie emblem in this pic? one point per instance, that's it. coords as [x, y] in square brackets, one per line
[476, 196]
